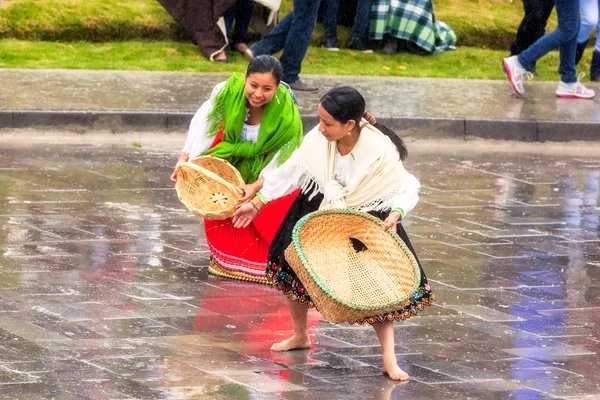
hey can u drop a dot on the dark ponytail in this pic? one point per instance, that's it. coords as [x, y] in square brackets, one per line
[398, 142]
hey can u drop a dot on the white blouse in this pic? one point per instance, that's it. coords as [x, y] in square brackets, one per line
[250, 132]
[285, 179]
[198, 142]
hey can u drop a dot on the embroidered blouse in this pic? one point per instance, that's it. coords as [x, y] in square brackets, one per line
[197, 141]
[285, 179]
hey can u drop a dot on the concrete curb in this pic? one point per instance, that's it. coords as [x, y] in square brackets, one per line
[415, 127]
[117, 121]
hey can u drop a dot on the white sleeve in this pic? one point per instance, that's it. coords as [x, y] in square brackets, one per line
[197, 141]
[409, 197]
[282, 180]
[271, 166]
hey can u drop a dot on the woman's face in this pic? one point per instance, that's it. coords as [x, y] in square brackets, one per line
[331, 128]
[260, 88]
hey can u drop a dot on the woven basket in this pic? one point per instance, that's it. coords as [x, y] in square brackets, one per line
[350, 266]
[208, 187]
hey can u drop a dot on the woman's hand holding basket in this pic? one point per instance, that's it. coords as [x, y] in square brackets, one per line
[182, 158]
[250, 190]
[392, 220]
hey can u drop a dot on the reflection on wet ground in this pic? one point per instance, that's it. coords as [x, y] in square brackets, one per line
[104, 292]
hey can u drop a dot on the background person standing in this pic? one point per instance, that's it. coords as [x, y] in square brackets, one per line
[292, 35]
[589, 21]
[360, 27]
[564, 37]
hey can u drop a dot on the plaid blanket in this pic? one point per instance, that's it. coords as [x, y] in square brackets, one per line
[411, 20]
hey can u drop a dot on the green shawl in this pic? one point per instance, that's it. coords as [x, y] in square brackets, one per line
[280, 129]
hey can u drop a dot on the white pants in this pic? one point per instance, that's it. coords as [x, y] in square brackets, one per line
[589, 21]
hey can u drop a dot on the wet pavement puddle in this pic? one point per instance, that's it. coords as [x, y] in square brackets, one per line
[104, 290]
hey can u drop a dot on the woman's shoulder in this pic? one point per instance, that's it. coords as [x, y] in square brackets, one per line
[233, 81]
[217, 88]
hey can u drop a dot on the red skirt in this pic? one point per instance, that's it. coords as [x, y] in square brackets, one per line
[242, 253]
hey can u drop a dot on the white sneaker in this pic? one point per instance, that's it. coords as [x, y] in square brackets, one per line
[516, 73]
[574, 90]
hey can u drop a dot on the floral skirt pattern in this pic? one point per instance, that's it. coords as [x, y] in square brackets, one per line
[284, 278]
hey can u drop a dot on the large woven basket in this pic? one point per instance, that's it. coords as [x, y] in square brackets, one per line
[350, 266]
[208, 187]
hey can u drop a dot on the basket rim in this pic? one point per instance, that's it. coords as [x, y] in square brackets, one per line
[211, 175]
[325, 288]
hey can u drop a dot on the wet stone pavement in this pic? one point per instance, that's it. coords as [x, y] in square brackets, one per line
[104, 291]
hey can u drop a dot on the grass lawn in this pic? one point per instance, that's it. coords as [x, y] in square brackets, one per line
[477, 23]
[466, 62]
[90, 20]
[140, 35]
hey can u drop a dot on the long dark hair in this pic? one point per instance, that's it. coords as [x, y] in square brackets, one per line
[263, 64]
[398, 142]
[344, 103]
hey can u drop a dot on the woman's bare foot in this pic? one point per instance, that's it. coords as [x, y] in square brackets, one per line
[221, 57]
[391, 369]
[293, 343]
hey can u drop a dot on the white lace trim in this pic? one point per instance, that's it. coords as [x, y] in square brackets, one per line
[311, 187]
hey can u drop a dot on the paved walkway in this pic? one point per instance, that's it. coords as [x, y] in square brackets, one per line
[418, 107]
[104, 291]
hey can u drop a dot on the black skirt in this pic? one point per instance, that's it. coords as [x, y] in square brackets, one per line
[284, 278]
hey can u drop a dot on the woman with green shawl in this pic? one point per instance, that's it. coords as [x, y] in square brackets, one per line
[253, 122]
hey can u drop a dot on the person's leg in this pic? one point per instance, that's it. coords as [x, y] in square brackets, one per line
[589, 14]
[275, 40]
[533, 25]
[360, 28]
[385, 334]
[597, 46]
[546, 9]
[229, 17]
[569, 20]
[589, 19]
[300, 339]
[566, 32]
[595, 66]
[331, 12]
[243, 16]
[298, 39]
[390, 44]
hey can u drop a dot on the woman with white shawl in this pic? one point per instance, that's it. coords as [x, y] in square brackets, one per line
[343, 162]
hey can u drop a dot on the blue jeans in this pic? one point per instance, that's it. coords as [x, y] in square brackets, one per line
[242, 13]
[292, 34]
[331, 11]
[564, 37]
[589, 21]
[533, 25]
